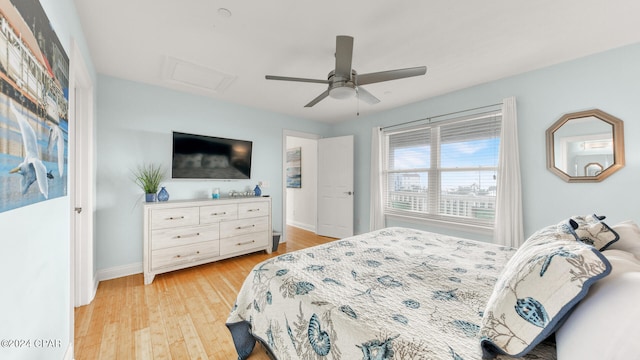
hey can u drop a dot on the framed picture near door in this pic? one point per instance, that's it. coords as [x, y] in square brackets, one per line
[294, 169]
[34, 125]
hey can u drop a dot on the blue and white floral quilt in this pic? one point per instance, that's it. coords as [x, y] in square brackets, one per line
[395, 294]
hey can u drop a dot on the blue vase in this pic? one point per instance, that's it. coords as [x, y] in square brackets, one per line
[150, 197]
[163, 195]
[257, 191]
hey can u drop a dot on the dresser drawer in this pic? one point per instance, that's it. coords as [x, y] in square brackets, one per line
[241, 243]
[166, 218]
[253, 209]
[216, 213]
[179, 234]
[243, 226]
[164, 238]
[184, 254]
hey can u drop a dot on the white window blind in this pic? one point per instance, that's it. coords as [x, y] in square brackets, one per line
[444, 171]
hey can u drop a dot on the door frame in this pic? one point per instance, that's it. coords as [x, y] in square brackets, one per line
[81, 179]
[289, 133]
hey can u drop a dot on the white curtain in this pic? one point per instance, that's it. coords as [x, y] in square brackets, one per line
[376, 217]
[508, 227]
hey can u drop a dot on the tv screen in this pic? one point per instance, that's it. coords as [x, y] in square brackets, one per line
[208, 157]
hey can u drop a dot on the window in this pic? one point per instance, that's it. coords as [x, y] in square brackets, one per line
[444, 171]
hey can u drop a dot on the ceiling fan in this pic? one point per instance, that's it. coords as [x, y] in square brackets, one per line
[344, 82]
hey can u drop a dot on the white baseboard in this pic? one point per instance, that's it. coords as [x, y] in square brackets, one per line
[96, 282]
[68, 355]
[118, 271]
[302, 226]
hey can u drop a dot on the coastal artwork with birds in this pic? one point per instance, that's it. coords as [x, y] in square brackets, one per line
[34, 122]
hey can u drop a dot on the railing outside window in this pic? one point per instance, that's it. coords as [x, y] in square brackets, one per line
[444, 171]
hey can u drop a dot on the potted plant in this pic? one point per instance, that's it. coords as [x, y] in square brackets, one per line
[149, 177]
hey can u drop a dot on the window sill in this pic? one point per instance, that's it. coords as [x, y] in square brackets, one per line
[484, 231]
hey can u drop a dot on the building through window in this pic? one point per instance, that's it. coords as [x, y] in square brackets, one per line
[444, 171]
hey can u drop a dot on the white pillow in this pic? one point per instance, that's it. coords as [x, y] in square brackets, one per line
[606, 323]
[629, 233]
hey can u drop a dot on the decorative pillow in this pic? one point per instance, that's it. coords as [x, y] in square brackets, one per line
[629, 233]
[538, 287]
[610, 311]
[591, 230]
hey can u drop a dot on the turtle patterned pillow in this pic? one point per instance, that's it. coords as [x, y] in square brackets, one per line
[548, 275]
[591, 230]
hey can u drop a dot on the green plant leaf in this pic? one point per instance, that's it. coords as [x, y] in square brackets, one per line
[149, 177]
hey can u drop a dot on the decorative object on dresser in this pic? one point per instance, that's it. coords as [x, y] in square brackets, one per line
[181, 234]
[149, 177]
[163, 194]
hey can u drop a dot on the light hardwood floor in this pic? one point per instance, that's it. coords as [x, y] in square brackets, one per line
[181, 315]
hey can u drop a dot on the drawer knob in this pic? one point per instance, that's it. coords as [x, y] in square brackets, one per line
[245, 227]
[175, 218]
[220, 213]
[186, 236]
[245, 243]
[253, 210]
[179, 256]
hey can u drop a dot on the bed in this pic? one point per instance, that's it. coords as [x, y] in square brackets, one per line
[401, 293]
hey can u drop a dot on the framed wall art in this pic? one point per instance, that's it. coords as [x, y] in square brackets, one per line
[294, 169]
[34, 124]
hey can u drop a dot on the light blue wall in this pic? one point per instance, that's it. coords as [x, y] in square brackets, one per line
[135, 122]
[36, 301]
[609, 81]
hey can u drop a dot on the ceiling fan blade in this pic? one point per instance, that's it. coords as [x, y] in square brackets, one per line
[287, 78]
[318, 98]
[377, 77]
[344, 54]
[366, 96]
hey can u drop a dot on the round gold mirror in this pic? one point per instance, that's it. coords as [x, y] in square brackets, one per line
[585, 146]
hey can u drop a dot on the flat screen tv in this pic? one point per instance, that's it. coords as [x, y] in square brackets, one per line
[208, 157]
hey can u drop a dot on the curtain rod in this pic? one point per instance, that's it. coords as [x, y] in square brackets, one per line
[439, 116]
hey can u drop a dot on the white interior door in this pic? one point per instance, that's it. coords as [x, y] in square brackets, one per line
[335, 187]
[82, 179]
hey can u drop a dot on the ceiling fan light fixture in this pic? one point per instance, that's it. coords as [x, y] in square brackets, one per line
[343, 92]
[343, 79]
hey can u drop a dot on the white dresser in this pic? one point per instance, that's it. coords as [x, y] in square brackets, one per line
[180, 234]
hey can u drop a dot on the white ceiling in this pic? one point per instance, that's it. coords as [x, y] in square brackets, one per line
[462, 43]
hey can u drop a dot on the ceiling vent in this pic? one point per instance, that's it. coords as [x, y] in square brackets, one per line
[180, 72]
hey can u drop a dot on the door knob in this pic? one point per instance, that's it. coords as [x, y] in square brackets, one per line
[78, 210]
